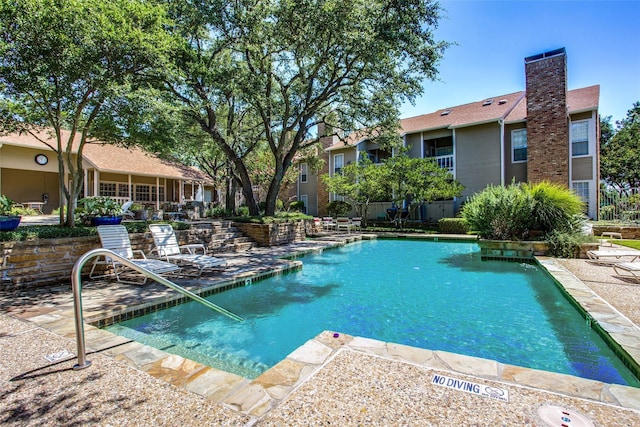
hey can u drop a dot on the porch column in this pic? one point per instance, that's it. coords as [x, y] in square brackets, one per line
[85, 190]
[96, 182]
[130, 187]
[157, 193]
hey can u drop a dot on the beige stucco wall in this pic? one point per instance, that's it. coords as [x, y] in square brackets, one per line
[477, 150]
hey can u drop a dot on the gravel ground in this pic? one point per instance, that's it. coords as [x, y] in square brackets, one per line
[623, 294]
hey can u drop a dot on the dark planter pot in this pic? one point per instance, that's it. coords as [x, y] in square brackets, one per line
[106, 220]
[141, 214]
[9, 223]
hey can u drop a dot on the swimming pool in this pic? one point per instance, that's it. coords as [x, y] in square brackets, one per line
[433, 295]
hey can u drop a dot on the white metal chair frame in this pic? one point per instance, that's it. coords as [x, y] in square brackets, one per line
[168, 248]
[116, 239]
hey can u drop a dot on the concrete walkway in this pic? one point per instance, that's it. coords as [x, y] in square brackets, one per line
[333, 379]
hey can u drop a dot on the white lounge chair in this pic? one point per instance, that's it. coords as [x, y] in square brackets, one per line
[328, 223]
[116, 239]
[343, 223]
[356, 223]
[612, 256]
[126, 210]
[628, 269]
[167, 247]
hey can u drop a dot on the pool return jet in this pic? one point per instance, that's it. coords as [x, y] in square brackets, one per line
[76, 285]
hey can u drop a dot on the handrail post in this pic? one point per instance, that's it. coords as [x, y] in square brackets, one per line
[76, 285]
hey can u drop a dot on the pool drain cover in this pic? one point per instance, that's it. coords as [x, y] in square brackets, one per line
[555, 416]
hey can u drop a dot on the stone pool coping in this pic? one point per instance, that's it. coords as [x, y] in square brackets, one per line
[304, 379]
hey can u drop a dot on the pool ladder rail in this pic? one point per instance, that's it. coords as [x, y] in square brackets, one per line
[76, 285]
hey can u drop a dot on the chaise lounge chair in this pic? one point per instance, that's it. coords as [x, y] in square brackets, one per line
[612, 256]
[167, 247]
[628, 269]
[116, 239]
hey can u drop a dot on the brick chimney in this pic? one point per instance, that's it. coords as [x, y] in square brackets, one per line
[547, 118]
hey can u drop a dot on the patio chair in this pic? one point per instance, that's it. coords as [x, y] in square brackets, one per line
[328, 223]
[126, 210]
[116, 239]
[343, 223]
[628, 269]
[612, 256]
[167, 247]
[356, 223]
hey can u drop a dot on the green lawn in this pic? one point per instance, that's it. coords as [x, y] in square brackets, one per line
[629, 243]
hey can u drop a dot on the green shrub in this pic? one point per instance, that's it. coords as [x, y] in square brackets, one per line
[32, 232]
[7, 207]
[453, 226]
[280, 217]
[566, 244]
[218, 212]
[523, 211]
[338, 208]
[297, 206]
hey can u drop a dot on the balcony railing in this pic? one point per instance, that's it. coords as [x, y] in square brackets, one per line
[445, 162]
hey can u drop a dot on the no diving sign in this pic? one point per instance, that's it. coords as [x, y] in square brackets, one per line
[473, 388]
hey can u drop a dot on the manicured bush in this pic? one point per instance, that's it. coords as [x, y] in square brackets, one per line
[338, 208]
[523, 211]
[298, 205]
[453, 226]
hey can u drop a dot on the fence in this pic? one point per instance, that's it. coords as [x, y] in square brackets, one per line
[619, 207]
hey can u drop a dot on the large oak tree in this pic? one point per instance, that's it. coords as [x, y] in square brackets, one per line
[79, 66]
[265, 73]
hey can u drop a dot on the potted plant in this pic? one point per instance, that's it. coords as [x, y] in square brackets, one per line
[139, 211]
[8, 219]
[99, 210]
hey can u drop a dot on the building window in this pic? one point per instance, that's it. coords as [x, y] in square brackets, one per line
[143, 193]
[582, 190]
[519, 145]
[154, 196]
[123, 190]
[303, 172]
[580, 138]
[304, 199]
[108, 189]
[338, 163]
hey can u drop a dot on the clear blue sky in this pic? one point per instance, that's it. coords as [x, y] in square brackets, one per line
[602, 40]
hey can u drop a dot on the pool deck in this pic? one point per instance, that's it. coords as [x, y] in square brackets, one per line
[331, 379]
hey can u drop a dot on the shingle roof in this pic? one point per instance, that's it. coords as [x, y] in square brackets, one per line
[511, 107]
[578, 100]
[31, 141]
[111, 158]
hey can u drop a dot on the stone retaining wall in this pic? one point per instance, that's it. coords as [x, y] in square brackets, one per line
[42, 262]
[521, 250]
[273, 234]
[627, 232]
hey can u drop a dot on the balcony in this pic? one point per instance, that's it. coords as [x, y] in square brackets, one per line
[445, 162]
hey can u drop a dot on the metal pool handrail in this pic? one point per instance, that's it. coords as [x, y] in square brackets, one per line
[76, 285]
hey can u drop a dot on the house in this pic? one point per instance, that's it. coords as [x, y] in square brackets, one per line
[29, 174]
[544, 133]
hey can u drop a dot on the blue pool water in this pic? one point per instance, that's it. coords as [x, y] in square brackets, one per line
[433, 295]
